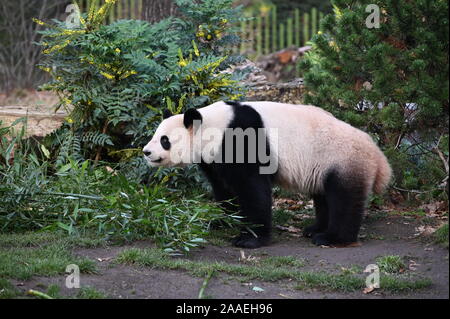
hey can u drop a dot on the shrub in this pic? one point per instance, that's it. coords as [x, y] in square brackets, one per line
[392, 81]
[81, 198]
[115, 79]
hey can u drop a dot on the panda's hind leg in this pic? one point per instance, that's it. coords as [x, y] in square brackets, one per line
[345, 198]
[321, 223]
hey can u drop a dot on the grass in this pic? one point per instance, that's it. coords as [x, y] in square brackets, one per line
[38, 254]
[34, 239]
[391, 264]
[441, 236]
[7, 290]
[270, 269]
[53, 291]
[282, 261]
[90, 293]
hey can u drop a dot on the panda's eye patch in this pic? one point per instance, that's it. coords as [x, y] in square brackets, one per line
[165, 142]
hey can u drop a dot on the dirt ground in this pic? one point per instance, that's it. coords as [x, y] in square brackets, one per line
[380, 237]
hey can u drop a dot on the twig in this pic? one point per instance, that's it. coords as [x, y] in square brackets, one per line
[204, 284]
[64, 194]
[38, 294]
[415, 191]
[400, 137]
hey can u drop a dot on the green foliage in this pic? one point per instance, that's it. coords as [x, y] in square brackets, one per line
[391, 264]
[47, 260]
[392, 81]
[441, 235]
[80, 198]
[272, 269]
[115, 79]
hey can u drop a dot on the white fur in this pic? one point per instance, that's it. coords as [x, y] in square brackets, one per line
[310, 142]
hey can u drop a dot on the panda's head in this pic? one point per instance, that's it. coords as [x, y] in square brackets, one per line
[172, 141]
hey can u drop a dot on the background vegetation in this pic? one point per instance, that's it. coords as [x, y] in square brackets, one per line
[391, 81]
[114, 80]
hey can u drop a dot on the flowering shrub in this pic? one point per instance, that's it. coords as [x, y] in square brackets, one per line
[114, 80]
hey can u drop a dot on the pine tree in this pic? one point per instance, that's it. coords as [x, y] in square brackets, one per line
[391, 80]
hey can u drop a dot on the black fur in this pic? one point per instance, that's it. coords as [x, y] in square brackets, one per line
[166, 114]
[243, 185]
[339, 211]
[190, 116]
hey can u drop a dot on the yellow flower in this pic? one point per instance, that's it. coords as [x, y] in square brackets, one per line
[127, 74]
[197, 53]
[117, 50]
[182, 63]
[69, 120]
[108, 76]
[38, 21]
[209, 37]
[45, 69]
[320, 32]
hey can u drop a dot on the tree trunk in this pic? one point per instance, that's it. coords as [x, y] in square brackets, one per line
[157, 10]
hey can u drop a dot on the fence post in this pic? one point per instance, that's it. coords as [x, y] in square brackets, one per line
[259, 36]
[282, 35]
[119, 9]
[297, 27]
[290, 34]
[133, 9]
[313, 21]
[274, 29]
[243, 36]
[111, 15]
[251, 35]
[320, 19]
[267, 33]
[139, 8]
[305, 28]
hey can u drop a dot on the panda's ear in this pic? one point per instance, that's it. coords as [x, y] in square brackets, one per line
[190, 116]
[166, 114]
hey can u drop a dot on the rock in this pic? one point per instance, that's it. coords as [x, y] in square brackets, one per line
[39, 123]
[290, 92]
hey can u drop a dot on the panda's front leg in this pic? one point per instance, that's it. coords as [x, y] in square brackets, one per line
[254, 195]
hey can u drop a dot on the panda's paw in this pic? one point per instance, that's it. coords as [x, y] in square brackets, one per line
[249, 241]
[321, 239]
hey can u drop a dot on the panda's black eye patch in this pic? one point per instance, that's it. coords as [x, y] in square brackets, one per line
[165, 142]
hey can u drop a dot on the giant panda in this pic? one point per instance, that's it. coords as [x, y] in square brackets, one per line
[315, 154]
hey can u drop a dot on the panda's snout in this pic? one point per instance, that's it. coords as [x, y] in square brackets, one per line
[147, 153]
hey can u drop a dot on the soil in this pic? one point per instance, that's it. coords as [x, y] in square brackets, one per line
[380, 237]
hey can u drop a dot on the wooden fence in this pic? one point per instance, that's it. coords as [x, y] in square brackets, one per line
[262, 34]
[124, 9]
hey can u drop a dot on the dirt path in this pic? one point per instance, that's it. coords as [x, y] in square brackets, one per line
[393, 236]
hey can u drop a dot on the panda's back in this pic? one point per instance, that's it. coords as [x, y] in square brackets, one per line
[308, 141]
